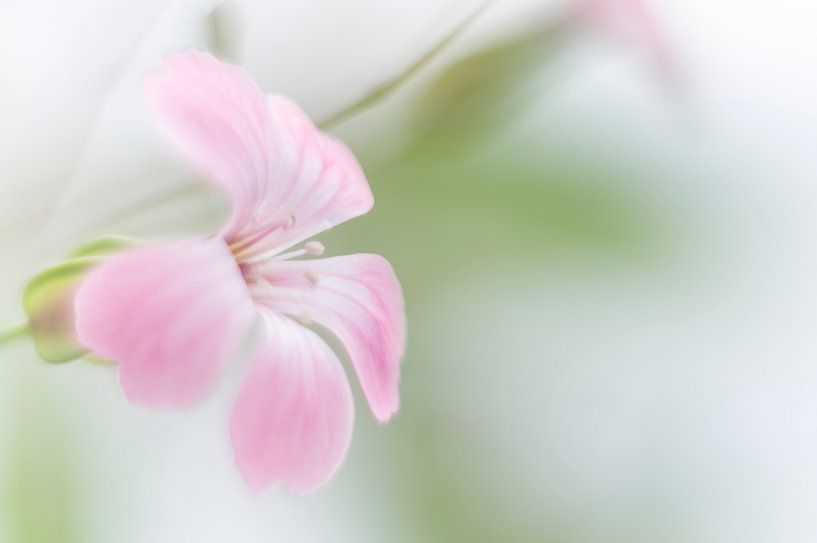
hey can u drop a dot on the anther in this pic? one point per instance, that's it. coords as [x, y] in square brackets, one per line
[305, 319]
[314, 248]
[311, 277]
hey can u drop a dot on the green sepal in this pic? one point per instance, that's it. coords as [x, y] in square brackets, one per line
[103, 246]
[48, 299]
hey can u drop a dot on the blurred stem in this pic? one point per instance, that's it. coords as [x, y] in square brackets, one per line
[15, 331]
[384, 89]
[176, 193]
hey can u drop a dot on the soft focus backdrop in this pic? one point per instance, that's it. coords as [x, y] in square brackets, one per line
[605, 226]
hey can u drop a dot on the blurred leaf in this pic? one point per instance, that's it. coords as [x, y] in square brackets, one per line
[448, 505]
[484, 88]
[40, 495]
[434, 218]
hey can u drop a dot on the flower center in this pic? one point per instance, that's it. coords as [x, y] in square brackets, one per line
[254, 243]
[255, 267]
[257, 253]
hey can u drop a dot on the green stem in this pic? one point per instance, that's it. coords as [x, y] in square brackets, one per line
[383, 90]
[15, 331]
[185, 189]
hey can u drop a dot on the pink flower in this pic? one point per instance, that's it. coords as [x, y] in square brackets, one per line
[633, 20]
[172, 315]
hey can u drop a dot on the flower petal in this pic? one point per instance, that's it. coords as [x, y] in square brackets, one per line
[319, 184]
[288, 181]
[358, 298]
[169, 314]
[293, 418]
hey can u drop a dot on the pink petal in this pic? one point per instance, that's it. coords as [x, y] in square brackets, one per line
[358, 298]
[288, 181]
[169, 314]
[320, 183]
[293, 418]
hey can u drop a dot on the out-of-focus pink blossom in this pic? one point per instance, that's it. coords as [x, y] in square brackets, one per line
[632, 20]
[172, 314]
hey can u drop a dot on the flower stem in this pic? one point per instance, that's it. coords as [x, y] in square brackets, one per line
[15, 331]
[184, 189]
[384, 89]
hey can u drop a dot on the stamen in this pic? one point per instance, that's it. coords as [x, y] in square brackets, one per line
[314, 248]
[304, 318]
[247, 243]
[260, 286]
[311, 277]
